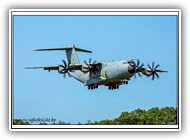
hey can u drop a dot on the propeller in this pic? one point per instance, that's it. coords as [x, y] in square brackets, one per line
[91, 67]
[139, 68]
[153, 70]
[64, 69]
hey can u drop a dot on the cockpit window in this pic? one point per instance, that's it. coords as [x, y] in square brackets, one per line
[131, 62]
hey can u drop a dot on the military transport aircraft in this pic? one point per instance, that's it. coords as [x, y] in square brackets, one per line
[94, 74]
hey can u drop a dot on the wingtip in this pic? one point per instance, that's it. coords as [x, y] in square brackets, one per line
[29, 67]
[37, 50]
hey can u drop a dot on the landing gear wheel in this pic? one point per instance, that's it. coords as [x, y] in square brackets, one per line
[96, 86]
[93, 86]
[117, 86]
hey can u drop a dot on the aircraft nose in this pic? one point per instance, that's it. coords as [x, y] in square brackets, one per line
[131, 68]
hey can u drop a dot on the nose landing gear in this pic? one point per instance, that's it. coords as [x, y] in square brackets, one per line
[125, 82]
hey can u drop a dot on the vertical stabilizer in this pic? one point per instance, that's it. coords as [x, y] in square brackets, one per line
[72, 55]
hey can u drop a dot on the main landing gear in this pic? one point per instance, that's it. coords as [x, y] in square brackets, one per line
[113, 87]
[116, 86]
[93, 86]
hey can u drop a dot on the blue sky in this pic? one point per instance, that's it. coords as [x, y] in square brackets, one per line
[39, 94]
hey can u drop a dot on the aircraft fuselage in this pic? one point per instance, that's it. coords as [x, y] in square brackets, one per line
[109, 72]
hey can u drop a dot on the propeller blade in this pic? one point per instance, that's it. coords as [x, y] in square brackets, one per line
[86, 63]
[152, 76]
[64, 75]
[149, 66]
[152, 65]
[61, 66]
[139, 74]
[157, 66]
[161, 71]
[157, 75]
[95, 62]
[138, 62]
[69, 74]
[90, 59]
[141, 65]
[65, 64]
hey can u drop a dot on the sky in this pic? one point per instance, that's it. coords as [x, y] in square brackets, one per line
[43, 94]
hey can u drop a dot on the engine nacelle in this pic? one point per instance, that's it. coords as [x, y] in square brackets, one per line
[61, 70]
[84, 68]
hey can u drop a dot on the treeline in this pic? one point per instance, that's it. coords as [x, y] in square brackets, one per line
[20, 122]
[153, 116]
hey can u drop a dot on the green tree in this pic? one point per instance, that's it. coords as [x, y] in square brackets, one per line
[20, 122]
[124, 118]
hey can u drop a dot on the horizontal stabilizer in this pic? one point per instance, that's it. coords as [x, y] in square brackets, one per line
[61, 49]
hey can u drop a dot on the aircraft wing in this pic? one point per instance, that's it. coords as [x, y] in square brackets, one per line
[75, 66]
[49, 68]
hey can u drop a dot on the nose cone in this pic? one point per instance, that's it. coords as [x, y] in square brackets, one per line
[131, 69]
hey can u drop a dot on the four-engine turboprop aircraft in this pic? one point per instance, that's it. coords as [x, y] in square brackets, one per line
[94, 74]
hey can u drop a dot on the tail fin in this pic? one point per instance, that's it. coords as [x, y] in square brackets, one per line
[70, 53]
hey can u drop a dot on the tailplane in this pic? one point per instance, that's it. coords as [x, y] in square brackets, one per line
[70, 53]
